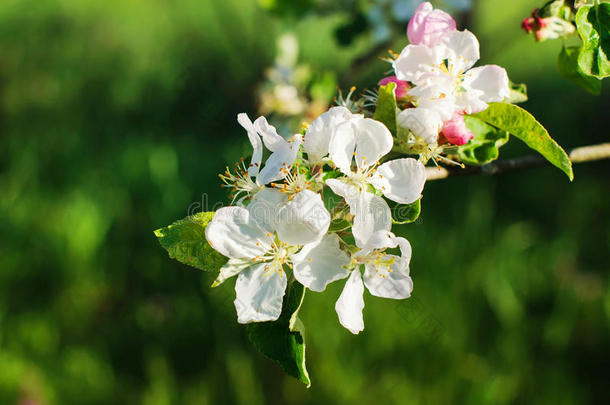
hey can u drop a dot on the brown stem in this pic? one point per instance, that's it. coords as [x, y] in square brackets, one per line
[578, 155]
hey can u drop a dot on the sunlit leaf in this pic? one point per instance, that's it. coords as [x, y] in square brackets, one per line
[523, 125]
[185, 241]
[385, 110]
[593, 23]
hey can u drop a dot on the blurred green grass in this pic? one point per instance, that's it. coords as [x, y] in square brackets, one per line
[115, 118]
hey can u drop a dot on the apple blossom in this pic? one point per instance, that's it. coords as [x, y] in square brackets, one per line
[455, 130]
[429, 25]
[401, 89]
[259, 240]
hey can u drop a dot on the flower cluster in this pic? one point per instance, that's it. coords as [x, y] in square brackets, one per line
[438, 64]
[282, 222]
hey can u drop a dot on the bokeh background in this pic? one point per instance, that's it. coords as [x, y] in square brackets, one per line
[115, 118]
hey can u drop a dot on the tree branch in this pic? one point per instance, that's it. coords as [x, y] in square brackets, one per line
[578, 155]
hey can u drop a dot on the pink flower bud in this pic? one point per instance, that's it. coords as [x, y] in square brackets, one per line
[401, 86]
[455, 130]
[428, 25]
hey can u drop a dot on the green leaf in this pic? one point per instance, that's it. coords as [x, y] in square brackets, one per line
[406, 213]
[523, 125]
[567, 62]
[283, 340]
[385, 110]
[339, 224]
[518, 93]
[484, 147]
[185, 241]
[593, 24]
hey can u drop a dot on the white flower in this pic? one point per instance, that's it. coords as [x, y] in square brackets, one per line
[319, 133]
[260, 239]
[402, 180]
[443, 79]
[276, 167]
[385, 276]
[424, 123]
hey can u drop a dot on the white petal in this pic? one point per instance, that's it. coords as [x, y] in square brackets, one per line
[342, 145]
[416, 60]
[264, 206]
[279, 163]
[373, 141]
[273, 141]
[381, 240]
[321, 263]
[233, 233]
[302, 220]
[233, 267]
[259, 294]
[319, 133]
[491, 80]
[425, 123]
[391, 281]
[400, 180]
[350, 304]
[255, 141]
[371, 214]
[463, 50]
[345, 190]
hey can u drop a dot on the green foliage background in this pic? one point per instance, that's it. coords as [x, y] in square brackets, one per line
[115, 118]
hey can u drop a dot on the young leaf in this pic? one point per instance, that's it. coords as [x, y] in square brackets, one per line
[406, 213]
[385, 110]
[593, 24]
[484, 147]
[283, 340]
[523, 125]
[567, 62]
[185, 241]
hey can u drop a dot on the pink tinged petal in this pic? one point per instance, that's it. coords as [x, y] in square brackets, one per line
[424, 123]
[373, 141]
[491, 80]
[350, 304]
[416, 60]
[401, 89]
[319, 133]
[273, 141]
[401, 180]
[235, 234]
[259, 292]
[320, 263]
[255, 141]
[342, 145]
[456, 132]
[428, 25]
[462, 50]
[303, 220]
[390, 280]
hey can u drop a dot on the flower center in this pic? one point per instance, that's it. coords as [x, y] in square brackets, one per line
[240, 182]
[379, 260]
[295, 181]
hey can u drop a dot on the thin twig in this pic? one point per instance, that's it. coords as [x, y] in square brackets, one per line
[578, 155]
